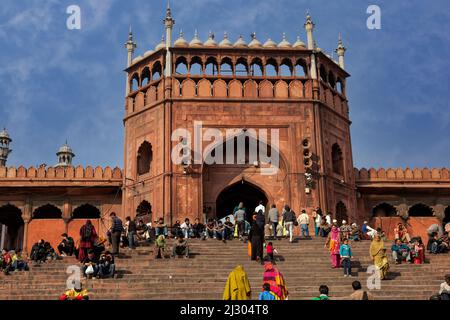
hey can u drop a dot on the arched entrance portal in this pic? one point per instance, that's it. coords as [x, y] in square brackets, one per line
[11, 230]
[242, 191]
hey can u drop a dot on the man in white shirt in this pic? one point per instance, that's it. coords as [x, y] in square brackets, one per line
[303, 221]
[328, 218]
[187, 229]
[444, 290]
[260, 207]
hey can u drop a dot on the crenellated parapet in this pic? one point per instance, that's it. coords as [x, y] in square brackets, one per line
[399, 174]
[60, 173]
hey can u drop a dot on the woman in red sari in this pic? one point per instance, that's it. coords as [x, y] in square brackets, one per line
[275, 279]
[88, 236]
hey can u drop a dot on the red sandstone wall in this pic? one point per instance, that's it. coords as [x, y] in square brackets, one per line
[48, 229]
[417, 226]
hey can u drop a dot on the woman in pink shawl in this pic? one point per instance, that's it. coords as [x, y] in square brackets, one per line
[334, 243]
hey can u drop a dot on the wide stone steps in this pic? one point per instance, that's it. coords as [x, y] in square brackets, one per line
[305, 266]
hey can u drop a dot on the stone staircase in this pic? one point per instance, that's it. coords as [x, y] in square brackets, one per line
[304, 263]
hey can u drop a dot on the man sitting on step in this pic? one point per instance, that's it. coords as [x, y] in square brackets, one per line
[180, 248]
[106, 266]
[90, 265]
[66, 246]
[400, 252]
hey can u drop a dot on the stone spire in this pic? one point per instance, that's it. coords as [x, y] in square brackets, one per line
[5, 140]
[340, 50]
[65, 156]
[309, 27]
[168, 23]
[130, 45]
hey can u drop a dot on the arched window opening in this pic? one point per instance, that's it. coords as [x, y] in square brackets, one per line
[256, 68]
[420, 210]
[341, 212]
[384, 210]
[446, 216]
[134, 84]
[144, 158]
[156, 71]
[340, 86]
[145, 76]
[144, 211]
[271, 68]
[331, 80]
[196, 69]
[86, 211]
[47, 211]
[241, 67]
[226, 67]
[211, 68]
[286, 68]
[181, 66]
[323, 74]
[301, 69]
[337, 159]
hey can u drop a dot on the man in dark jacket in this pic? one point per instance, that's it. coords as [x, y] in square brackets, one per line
[116, 232]
[256, 238]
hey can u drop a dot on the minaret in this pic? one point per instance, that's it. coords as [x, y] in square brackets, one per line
[340, 50]
[65, 156]
[130, 45]
[5, 140]
[168, 23]
[309, 27]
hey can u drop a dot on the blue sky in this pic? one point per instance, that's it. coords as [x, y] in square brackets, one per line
[58, 84]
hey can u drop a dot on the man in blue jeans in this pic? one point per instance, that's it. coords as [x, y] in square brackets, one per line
[345, 252]
[131, 232]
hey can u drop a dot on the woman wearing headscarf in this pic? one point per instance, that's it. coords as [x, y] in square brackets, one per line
[378, 254]
[88, 236]
[275, 279]
[334, 244]
[256, 238]
[237, 286]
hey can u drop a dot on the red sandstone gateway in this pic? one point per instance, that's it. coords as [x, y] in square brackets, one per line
[296, 89]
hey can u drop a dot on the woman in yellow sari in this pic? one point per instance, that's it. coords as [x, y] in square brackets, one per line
[378, 253]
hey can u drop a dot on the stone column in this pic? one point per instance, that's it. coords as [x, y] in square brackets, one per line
[402, 210]
[26, 221]
[67, 215]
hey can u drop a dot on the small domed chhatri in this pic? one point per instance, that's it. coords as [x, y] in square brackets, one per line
[255, 42]
[161, 45]
[284, 43]
[65, 156]
[240, 43]
[4, 135]
[299, 44]
[181, 41]
[196, 42]
[210, 42]
[270, 44]
[225, 43]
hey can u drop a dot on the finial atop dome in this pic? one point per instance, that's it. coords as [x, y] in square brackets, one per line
[270, 44]
[299, 43]
[196, 42]
[210, 42]
[254, 43]
[225, 42]
[240, 43]
[181, 42]
[162, 44]
[284, 43]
